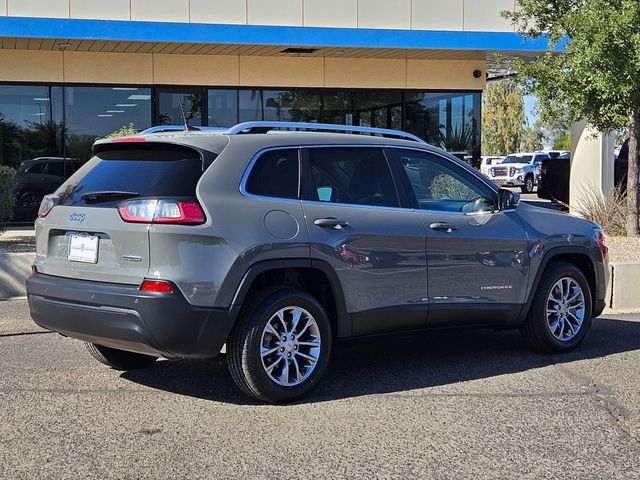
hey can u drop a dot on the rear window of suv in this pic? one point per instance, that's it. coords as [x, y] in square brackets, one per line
[147, 173]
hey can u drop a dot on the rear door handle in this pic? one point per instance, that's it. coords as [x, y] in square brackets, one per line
[443, 227]
[330, 222]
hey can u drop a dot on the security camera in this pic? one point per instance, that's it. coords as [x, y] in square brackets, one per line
[477, 74]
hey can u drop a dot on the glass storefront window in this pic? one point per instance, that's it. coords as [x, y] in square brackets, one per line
[95, 112]
[292, 105]
[223, 108]
[30, 123]
[172, 103]
[337, 107]
[378, 109]
[250, 102]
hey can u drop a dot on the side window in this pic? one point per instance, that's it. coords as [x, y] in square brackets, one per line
[439, 184]
[55, 168]
[275, 174]
[37, 168]
[358, 176]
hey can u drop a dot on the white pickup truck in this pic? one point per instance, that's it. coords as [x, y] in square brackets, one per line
[518, 170]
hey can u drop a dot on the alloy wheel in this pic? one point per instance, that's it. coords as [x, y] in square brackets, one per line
[290, 346]
[565, 309]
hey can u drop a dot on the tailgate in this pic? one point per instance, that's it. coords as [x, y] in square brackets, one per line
[122, 248]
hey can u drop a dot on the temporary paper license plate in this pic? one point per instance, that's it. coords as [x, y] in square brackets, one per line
[83, 248]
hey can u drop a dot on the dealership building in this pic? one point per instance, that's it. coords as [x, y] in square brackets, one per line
[72, 71]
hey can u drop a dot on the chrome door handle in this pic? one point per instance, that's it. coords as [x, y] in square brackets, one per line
[443, 227]
[330, 222]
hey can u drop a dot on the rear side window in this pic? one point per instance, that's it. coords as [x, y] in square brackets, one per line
[358, 176]
[275, 173]
[147, 173]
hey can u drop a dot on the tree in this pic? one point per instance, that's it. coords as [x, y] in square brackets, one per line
[532, 139]
[595, 76]
[503, 118]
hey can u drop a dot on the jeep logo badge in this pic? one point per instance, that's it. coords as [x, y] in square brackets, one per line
[77, 217]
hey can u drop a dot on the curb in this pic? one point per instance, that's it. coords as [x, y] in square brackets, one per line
[15, 268]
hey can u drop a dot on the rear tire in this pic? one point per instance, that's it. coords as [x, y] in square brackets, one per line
[119, 359]
[273, 357]
[561, 312]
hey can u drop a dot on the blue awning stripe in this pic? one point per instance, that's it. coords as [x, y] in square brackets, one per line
[116, 30]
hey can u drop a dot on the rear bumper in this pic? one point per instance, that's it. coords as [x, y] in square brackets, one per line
[123, 317]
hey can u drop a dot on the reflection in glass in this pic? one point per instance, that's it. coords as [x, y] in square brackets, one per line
[292, 105]
[223, 108]
[378, 109]
[172, 104]
[95, 112]
[338, 107]
[250, 105]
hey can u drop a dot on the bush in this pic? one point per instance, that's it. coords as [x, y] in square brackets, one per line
[7, 200]
[610, 212]
[124, 131]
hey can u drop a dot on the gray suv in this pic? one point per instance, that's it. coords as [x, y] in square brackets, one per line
[277, 239]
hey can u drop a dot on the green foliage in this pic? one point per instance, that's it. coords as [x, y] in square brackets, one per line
[124, 131]
[7, 199]
[596, 76]
[446, 187]
[532, 140]
[562, 143]
[503, 118]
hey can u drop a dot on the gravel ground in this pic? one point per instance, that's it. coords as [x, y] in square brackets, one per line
[17, 244]
[623, 249]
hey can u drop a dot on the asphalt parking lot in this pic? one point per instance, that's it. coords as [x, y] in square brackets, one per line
[473, 405]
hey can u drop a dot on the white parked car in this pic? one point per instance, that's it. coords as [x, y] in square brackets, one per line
[518, 170]
[487, 162]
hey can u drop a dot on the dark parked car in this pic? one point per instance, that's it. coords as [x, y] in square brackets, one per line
[36, 178]
[554, 178]
[277, 244]
[622, 166]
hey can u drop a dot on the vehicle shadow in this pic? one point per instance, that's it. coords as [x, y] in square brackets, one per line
[399, 364]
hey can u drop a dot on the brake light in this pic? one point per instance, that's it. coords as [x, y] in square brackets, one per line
[601, 242]
[48, 202]
[179, 212]
[156, 286]
[129, 140]
[34, 270]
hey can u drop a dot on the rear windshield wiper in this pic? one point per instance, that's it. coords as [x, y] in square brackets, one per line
[107, 195]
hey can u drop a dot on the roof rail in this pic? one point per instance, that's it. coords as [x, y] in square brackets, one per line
[264, 127]
[179, 128]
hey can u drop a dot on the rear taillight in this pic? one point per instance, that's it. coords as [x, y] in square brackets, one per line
[180, 212]
[34, 270]
[601, 242]
[48, 202]
[156, 286]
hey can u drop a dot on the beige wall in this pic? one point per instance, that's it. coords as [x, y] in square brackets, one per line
[471, 15]
[231, 70]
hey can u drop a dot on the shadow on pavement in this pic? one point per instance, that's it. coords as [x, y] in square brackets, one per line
[398, 364]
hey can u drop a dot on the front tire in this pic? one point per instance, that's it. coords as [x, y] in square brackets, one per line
[561, 312]
[281, 345]
[529, 184]
[119, 359]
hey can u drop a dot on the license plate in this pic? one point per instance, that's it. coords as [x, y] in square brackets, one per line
[83, 248]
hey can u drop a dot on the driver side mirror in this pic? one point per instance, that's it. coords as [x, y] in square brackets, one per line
[507, 200]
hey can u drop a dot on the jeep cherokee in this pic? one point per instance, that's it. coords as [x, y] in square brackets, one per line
[276, 239]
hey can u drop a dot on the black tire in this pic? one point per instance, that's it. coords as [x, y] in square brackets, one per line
[529, 184]
[244, 345]
[119, 359]
[537, 330]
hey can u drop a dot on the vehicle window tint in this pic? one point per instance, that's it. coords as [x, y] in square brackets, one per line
[36, 168]
[439, 184]
[275, 174]
[149, 173]
[359, 176]
[56, 169]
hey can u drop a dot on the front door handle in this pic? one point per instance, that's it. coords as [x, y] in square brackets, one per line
[443, 227]
[330, 222]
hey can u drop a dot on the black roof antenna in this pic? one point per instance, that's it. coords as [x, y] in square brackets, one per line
[187, 128]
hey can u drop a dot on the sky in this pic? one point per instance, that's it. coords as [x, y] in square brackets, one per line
[529, 106]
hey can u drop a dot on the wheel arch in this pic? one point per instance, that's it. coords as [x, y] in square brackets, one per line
[578, 256]
[314, 276]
